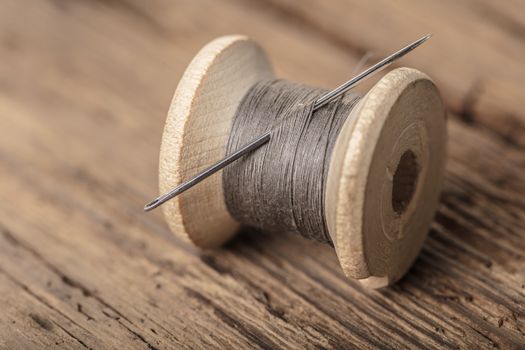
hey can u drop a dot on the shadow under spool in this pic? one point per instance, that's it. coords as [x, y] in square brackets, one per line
[372, 186]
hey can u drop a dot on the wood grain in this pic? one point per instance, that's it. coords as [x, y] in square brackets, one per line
[84, 90]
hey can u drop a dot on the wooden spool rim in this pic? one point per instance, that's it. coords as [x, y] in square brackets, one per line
[196, 133]
[401, 117]
[197, 129]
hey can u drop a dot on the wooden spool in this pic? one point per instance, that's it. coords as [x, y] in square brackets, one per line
[384, 178]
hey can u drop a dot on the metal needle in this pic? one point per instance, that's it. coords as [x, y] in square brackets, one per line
[261, 140]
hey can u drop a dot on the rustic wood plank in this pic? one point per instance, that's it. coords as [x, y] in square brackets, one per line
[83, 93]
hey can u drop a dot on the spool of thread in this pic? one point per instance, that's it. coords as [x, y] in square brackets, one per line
[362, 173]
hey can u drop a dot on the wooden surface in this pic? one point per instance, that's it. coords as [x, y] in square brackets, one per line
[84, 91]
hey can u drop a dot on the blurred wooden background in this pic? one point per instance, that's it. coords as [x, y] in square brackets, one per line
[84, 89]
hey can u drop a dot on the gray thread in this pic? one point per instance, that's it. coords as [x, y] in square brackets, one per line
[281, 186]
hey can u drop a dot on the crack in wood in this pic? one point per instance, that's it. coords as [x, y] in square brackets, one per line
[244, 329]
[42, 322]
[74, 337]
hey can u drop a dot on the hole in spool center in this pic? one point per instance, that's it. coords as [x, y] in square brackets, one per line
[405, 181]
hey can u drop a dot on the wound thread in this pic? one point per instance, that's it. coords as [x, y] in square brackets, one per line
[281, 186]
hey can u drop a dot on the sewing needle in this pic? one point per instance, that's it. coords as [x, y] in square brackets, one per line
[264, 138]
